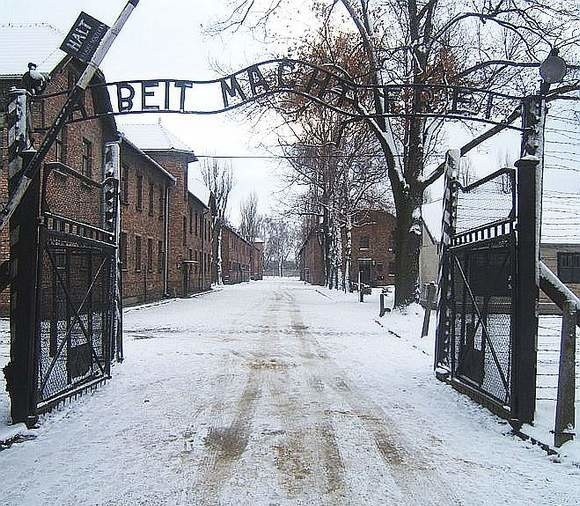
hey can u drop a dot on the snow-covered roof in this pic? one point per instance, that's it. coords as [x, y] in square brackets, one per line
[147, 157]
[560, 218]
[200, 191]
[30, 42]
[154, 137]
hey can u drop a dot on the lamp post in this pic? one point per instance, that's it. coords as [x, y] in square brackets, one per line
[530, 169]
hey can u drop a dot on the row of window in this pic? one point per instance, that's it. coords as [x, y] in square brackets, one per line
[87, 153]
[202, 259]
[153, 259]
[198, 226]
[569, 267]
[156, 193]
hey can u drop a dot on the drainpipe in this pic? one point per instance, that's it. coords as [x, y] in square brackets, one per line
[166, 245]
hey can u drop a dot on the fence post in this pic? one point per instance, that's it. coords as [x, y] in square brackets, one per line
[430, 299]
[443, 335]
[523, 402]
[529, 221]
[21, 372]
[565, 403]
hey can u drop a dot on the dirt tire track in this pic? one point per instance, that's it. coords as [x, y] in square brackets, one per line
[412, 471]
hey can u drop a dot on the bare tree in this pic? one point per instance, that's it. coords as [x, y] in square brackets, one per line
[466, 172]
[218, 177]
[250, 219]
[280, 240]
[491, 45]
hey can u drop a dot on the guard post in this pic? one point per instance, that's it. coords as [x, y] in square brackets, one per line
[21, 372]
[529, 213]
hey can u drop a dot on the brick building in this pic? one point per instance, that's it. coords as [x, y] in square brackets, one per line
[372, 254]
[165, 242]
[257, 260]
[188, 258]
[73, 168]
[239, 258]
[145, 200]
[311, 259]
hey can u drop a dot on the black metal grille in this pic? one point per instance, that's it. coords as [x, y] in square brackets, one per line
[76, 313]
[76, 289]
[480, 317]
[482, 310]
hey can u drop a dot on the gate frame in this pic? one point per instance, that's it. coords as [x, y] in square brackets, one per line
[529, 171]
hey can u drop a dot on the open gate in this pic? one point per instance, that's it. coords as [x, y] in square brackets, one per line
[65, 299]
[478, 334]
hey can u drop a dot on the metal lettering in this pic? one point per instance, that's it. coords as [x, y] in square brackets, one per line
[231, 90]
[183, 85]
[125, 103]
[146, 93]
[257, 80]
[289, 85]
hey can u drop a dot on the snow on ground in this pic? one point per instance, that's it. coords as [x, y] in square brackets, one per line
[276, 392]
[4, 359]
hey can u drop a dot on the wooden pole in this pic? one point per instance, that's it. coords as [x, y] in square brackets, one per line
[565, 403]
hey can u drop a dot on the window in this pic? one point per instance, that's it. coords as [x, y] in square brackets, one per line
[196, 225]
[569, 267]
[190, 254]
[123, 250]
[364, 242]
[149, 255]
[151, 195]
[139, 192]
[159, 256]
[190, 220]
[161, 202]
[137, 253]
[60, 146]
[87, 169]
[125, 184]
[184, 230]
[392, 269]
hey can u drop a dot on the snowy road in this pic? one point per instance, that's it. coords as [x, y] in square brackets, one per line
[276, 392]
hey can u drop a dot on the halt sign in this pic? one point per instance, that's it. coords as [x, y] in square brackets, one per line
[84, 37]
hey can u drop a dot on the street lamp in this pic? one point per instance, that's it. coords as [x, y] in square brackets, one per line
[553, 68]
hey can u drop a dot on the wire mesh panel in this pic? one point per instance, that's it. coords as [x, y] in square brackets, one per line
[487, 201]
[481, 283]
[75, 315]
[482, 312]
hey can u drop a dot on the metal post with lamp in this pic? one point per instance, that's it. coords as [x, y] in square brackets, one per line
[529, 214]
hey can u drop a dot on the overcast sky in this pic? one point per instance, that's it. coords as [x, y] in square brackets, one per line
[167, 39]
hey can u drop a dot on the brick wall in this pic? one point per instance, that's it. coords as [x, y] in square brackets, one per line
[257, 261]
[176, 164]
[197, 247]
[373, 247]
[143, 191]
[236, 257]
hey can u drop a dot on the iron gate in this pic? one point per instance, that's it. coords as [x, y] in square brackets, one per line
[478, 297]
[76, 294]
[76, 309]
